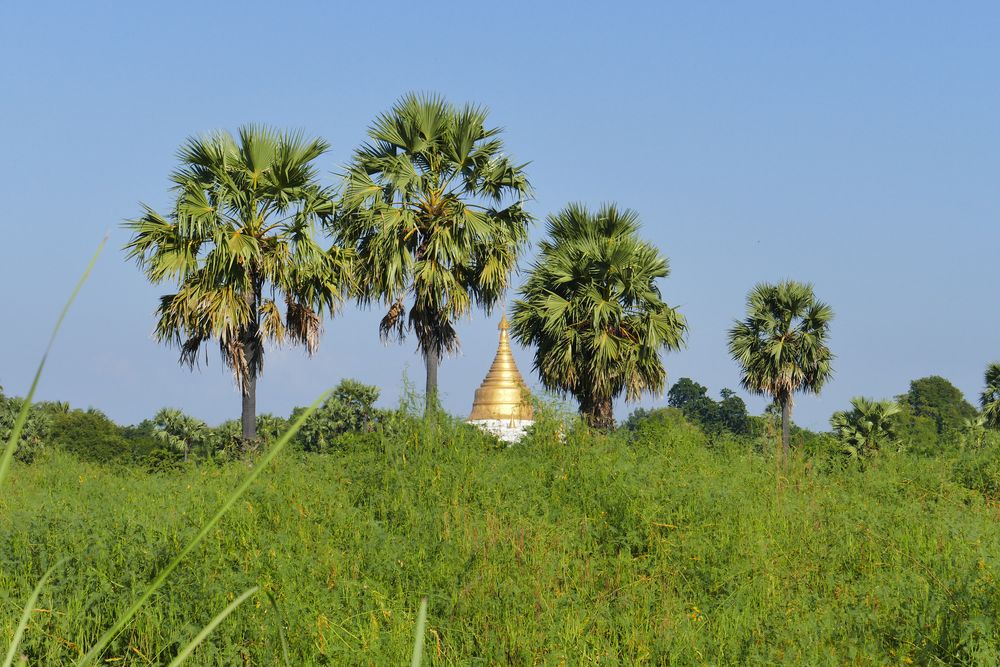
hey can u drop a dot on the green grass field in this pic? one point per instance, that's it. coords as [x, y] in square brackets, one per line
[636, 548]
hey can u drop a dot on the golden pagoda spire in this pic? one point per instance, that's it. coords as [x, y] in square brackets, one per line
[503, 395]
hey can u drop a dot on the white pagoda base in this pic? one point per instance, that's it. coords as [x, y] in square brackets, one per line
[507, 430]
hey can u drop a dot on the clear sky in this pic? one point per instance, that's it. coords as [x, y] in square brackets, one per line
[855, 145]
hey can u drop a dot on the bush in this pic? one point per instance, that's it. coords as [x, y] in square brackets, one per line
[90, 436]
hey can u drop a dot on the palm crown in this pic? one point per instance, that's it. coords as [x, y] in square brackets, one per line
[593, 309]
[781, 345]
[434, 209]
[239, 241]
[865, 428]
[990, 398]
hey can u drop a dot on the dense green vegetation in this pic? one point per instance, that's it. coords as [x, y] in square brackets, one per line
[652, 544]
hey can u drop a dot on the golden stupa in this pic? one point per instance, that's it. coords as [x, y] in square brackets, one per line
[503, 396]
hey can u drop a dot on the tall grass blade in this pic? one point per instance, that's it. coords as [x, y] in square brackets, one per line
[22, 416]
[26, 615]
[281, 629]
[207, 630]
[105, 639]
[418, 642]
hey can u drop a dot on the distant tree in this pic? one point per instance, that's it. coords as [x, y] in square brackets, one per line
[179, 431]
[918, 432]
[867, 427]
[684, 391]
[592, 308]
[940, 400]
[781, 345]
[239, 241]
[990, 398]
[434, 208]
[732, 413]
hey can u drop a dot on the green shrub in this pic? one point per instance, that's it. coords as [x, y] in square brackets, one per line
[35, 432]
[90, 436]
[350, 409]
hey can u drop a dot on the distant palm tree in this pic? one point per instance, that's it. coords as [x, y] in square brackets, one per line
[239, 240]
[592, 308]
[179, 431]
[990, 398]
[867, 427]
[433, 207]
[782, 345]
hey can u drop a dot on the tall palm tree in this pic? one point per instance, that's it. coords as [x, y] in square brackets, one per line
[990, 398]
[866, 427]
[782, 345]
[238, 241]
[434, 209]
[593, 310]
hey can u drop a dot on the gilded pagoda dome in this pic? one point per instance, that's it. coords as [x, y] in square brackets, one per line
[501, 403]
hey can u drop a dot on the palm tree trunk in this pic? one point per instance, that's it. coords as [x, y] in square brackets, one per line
[431, 361]
[598, 413]
[249, 415]
[786, 423]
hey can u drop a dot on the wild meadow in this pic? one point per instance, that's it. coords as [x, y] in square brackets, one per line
[653, 544]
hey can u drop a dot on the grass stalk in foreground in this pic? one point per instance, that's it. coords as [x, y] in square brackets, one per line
[418, 641]
[22, 416]
[207, 630]
[105, 639]
[26, 615]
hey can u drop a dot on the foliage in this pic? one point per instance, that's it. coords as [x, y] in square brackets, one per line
[730, 414]
[941, 401]
[592, 308]
[989, 400]
[91, 436]
[434, 208]
[978, 468]
[643, 547]
[867, 428]
[781, 345]
[180, 432]
[240, 243]
[350, 409]
[34, 433]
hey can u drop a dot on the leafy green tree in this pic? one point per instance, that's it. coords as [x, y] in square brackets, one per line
[592, 309]
[179, 431]
[867, 427]
[434, 210]
[240, 242]
[781, 345]
[684, 391]
[990, 398]
[939, 399]
[732, 413]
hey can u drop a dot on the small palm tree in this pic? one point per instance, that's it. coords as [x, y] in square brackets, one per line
[434, 210]
[239, 241]
[179, 431]
[592, 308]
[867, 427]
[782, 345]
[990, 398]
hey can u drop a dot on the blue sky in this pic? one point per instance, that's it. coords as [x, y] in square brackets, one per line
[854, 145]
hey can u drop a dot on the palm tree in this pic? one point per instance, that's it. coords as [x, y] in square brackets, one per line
[782, 345]
[179, 431]
[990, 398]
[434, 209]
[239, 240]
[866, 427]
[592, 308]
